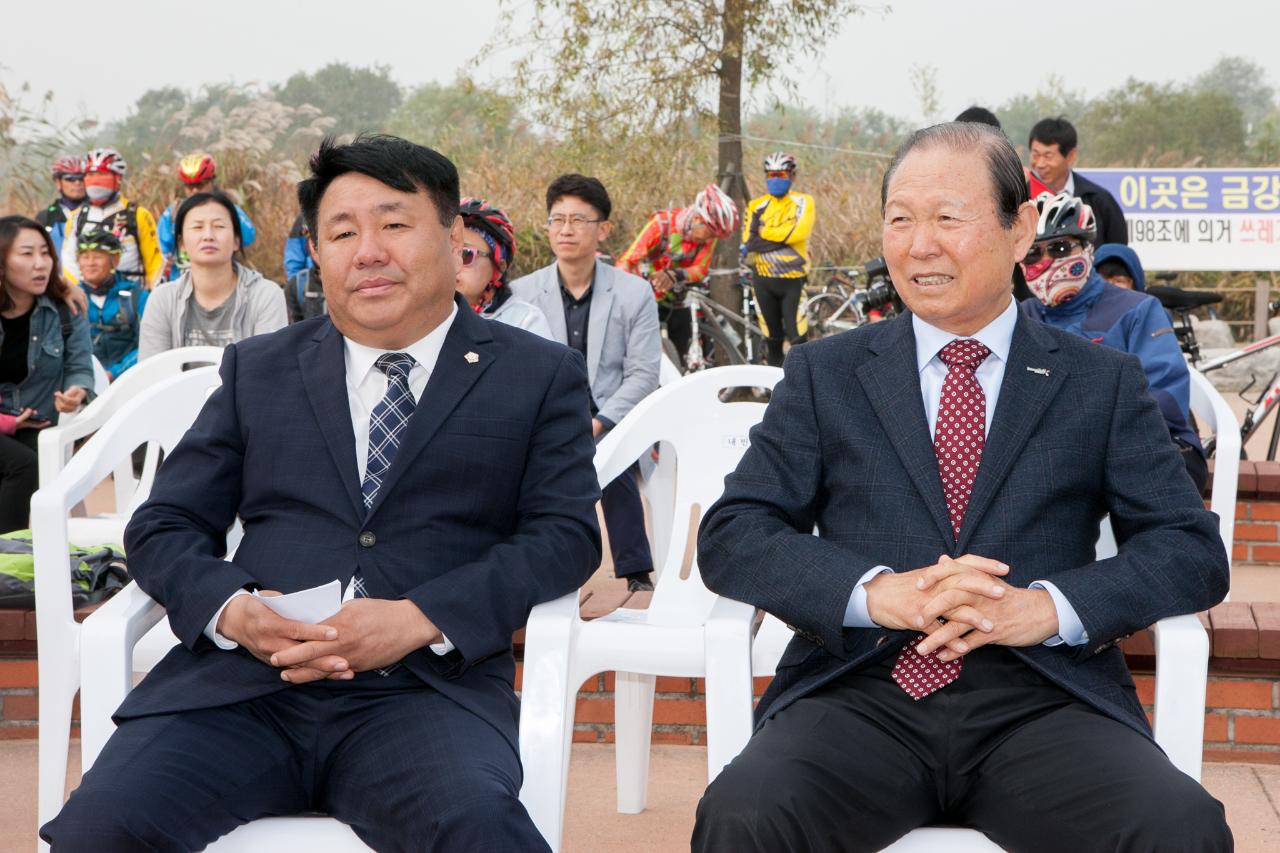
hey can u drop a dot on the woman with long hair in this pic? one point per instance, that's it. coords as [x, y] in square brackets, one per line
[46, 367]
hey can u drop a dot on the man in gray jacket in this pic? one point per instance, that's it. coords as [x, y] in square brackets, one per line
[611, 318]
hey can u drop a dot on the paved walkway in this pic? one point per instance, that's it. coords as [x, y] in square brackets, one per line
[677, 776]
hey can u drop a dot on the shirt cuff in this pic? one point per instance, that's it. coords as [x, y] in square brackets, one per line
[1070, 629]
[855, 612]
[211, 630]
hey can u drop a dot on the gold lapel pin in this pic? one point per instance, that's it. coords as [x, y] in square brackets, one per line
[471, 358]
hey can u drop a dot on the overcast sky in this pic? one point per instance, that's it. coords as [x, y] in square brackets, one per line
[984, 50]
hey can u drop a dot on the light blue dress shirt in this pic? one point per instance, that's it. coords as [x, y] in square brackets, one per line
[996, 336]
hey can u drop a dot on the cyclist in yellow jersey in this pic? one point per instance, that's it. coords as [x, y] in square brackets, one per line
[141, 260]
[775, 243]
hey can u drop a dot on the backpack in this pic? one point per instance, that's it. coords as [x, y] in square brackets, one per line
[310, 303]
[97, 572]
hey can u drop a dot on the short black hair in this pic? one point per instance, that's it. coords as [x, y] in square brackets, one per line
[980, 115]
[398, 163]
[1054, 131]
[1113, 266]
[1008, 180]
[217, 196]
[585, 187]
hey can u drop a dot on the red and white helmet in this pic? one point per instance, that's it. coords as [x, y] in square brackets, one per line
[68, 164]
[780, 161]
[106, 160]
[1064, 215]
[717, 209]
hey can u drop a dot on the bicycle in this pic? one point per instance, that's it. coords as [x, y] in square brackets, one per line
[843, 305]
[718, 333]
[1181, 303]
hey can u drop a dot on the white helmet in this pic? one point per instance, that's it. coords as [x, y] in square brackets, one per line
[717, 210]
[780, 161]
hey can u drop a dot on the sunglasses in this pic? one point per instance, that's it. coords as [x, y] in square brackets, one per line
[469, 255]
[777, 173]
[75, 179]
[1057, 249]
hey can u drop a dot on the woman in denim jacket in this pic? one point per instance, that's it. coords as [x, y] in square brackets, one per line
[45, 362]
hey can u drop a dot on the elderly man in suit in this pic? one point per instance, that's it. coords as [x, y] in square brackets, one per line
[610, 317]
[955, 656]
[439, 466]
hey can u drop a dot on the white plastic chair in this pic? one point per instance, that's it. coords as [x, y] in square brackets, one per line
[701, 441]
[99, 655]
[161, 416]
[1182, 645]
[56, 444]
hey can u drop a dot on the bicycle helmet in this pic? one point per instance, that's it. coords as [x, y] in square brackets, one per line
[717, 210]
[780, 161]
[99, 239]
[106, 160]
[197, 169]
[498, 232]
[1064, 215]
[68, 164]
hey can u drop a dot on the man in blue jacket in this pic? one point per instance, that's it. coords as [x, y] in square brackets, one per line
[115, 302]
[1072, 296]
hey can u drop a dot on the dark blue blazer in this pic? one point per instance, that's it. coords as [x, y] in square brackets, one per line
[844, 445]
[488, 508]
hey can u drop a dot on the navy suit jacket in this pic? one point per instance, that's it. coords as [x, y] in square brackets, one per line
[844, 444]
[487, 510]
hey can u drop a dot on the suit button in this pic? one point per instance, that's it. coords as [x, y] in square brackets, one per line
[367, 539]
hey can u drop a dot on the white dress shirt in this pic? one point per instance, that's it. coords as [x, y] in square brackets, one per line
[997, 336]
[366, 386]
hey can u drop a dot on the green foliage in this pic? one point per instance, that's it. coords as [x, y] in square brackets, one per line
[460, 116]
[643, 66]
[1151, 124]
[357, 99]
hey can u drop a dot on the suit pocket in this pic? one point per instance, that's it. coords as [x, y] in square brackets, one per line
[503, 428]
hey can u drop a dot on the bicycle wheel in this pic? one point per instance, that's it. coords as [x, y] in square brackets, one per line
[826, 317]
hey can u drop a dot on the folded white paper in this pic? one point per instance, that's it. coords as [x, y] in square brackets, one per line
[309, 605]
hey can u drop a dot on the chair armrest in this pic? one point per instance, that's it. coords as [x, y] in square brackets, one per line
[1182, 672]
[106, 662]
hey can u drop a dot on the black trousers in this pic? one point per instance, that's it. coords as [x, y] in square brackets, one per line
[624, 519]
[405, 767]
[779, 299]
[679, 328]
[19, 478]
[858, 764]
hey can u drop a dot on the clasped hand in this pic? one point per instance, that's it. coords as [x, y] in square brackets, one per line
[970, 594]
[367, 633]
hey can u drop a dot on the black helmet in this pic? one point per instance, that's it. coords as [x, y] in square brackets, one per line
[99, 240]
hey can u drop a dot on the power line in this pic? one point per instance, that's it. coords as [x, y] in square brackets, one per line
[791, 142]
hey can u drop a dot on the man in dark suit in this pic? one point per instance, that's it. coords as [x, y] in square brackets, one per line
[956, 463]
[1053, 158]
[439, 466]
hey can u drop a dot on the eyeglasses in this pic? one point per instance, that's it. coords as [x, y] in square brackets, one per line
[558, 223]
[1056, 249]
[777, 173]
[469, 255]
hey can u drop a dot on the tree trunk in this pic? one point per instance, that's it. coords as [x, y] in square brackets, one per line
[729, 168]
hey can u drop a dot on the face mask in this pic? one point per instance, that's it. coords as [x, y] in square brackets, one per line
[1055, 282]
[99, 195]
[778, 186]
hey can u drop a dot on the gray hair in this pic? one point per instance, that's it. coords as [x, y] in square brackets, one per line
[1008, 180]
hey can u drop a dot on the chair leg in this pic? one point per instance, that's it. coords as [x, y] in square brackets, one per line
[57, 690]
[633, 728]
[729, 706]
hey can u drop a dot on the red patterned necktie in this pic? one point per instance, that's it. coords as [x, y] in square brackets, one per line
[958, 438]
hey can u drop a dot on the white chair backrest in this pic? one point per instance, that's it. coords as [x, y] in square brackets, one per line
[668, 371]
[101, 381]
[57, 443]
[708, 438]
[1214, 416]
[160, 415]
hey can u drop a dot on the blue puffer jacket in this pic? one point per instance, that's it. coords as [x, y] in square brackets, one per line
[1136, 323]
[114, 326]
[1125, 255]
